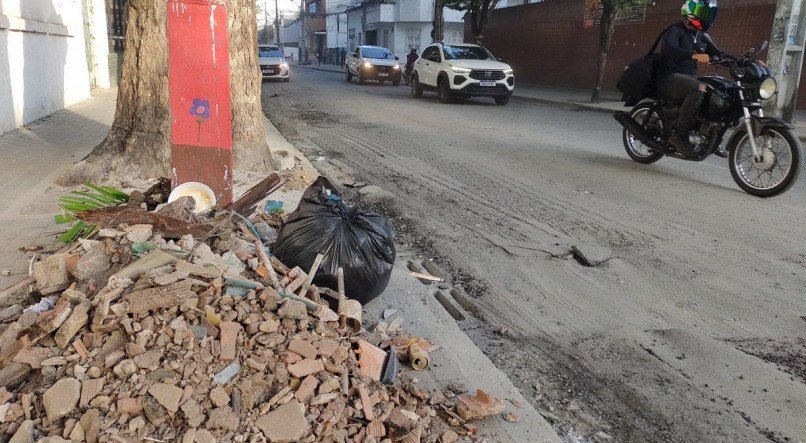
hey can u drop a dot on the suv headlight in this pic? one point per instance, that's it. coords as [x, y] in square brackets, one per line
[508, 71]
[367, 64]
[284, 65]
[767, 88]
[460, 70]
[396, 67]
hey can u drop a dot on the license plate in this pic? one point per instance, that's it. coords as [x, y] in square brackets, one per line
[486, 83]
[268, 71]
[383, 74]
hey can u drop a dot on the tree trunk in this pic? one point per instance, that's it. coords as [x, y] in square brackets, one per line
[138, 144]
[438, 33]
[606, 30]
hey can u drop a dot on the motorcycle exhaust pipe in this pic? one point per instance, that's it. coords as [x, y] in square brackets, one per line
[638, 131]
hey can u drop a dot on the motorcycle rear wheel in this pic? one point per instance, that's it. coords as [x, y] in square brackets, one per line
[779, 166]
[635, 149]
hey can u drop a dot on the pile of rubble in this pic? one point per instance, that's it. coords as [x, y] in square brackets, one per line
[204, 339]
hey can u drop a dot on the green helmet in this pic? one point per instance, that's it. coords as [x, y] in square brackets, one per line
[700, 13]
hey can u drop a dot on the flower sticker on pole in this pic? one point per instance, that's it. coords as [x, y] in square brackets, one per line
[200, 110]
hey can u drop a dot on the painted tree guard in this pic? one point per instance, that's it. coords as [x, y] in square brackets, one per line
[199, 94]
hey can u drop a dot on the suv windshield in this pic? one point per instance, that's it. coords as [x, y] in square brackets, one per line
[466, 53]
[270, 52]
[376, 53]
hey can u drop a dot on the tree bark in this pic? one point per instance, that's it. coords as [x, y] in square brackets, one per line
[606, 31]
[138, 143]
[438, 33]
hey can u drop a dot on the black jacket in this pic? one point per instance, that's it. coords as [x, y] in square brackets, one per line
[678, 44]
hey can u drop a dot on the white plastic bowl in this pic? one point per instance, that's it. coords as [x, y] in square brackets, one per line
[201, 193]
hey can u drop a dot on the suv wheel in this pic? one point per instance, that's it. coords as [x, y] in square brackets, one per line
[443, 90]
[501, 101]
[416, 89]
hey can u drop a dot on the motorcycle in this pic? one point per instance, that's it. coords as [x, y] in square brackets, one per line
[764, 153]
[406, 76]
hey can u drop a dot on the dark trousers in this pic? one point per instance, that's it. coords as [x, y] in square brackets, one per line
[675, 87]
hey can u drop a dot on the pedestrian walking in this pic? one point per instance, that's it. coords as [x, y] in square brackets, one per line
[343, 58]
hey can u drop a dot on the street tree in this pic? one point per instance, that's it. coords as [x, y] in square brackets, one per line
[438, 33]
[138, 143]
[478, 11]
[607, 28]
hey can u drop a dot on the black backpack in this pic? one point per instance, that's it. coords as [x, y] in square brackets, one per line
[638, 79]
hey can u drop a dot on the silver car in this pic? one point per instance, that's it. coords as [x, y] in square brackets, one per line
[272, 63]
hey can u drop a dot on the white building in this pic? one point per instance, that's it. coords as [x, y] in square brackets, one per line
[52, 52]
[336, 22]
[400, 26]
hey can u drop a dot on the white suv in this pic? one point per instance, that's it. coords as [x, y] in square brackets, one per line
[463, 70]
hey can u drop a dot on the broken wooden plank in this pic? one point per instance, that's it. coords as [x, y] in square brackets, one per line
[428, 277]
[309, 280]
[245, 205]
[261, 253]
[169, 227]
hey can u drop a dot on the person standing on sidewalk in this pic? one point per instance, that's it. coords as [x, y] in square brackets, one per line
[318, 57]
[343, 59]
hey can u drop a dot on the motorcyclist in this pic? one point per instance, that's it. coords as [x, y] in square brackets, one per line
[682, 47]
[411, 58]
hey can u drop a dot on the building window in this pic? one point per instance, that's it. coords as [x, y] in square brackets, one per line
[313, 7]
[385, 42]
[413, 38]
[455, 37]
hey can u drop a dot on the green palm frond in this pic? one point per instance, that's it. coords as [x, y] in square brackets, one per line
[78, 201]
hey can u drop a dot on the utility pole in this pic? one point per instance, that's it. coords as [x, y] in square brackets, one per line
[303, 53]
[276, 24]
[265, 22]
[785, 56]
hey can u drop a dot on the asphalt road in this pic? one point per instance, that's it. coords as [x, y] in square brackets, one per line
[693, 330]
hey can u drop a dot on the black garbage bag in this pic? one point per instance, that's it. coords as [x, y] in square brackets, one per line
[360, 242]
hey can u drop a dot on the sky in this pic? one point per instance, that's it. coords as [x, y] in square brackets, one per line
[284, 5]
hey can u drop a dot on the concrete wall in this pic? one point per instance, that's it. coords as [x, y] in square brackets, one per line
[546, 42]
[43, 58]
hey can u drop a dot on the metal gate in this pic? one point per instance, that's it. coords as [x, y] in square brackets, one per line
[116, 16]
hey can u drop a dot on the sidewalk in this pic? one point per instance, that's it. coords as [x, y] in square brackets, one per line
[33, 156]
[36, 154]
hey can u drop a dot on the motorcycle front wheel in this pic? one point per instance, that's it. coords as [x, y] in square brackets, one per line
[776, 170]
[637, 150]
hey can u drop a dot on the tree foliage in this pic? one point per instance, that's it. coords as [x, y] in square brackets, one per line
[478, 11]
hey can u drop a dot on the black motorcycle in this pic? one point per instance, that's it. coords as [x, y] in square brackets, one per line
[763, 152]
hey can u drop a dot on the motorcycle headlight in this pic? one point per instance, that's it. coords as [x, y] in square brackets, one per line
[460, 70]
[767, 88]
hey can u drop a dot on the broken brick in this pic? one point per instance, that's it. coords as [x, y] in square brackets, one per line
[479, 406]
[306, 367]
[303, 348]
[229, 336]
[285, 424]
[306, 389]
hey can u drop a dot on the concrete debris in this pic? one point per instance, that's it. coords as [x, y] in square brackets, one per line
[159, 348]
[285, 424]
[61, 398]
[474, 407]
